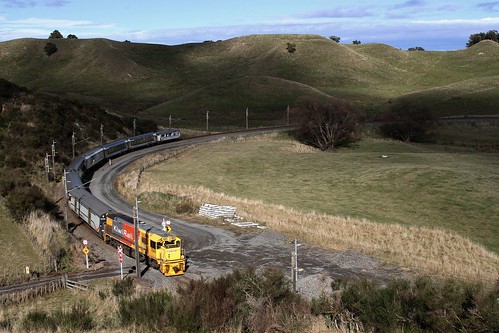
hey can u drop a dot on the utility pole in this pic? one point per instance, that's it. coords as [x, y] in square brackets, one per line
[73, 143]
[76, 142]
[136, 237]
[66, 196]
[246, 118]
[170, 121]
[47, 166]
[53, 157]
[134, 125]
[294, 265]
[207, 118]
[101, 133]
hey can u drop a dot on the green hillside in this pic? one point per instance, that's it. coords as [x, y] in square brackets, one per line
[255, 72]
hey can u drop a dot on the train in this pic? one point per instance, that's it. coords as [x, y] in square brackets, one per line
[159, 248]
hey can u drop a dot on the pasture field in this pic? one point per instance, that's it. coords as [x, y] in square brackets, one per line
[422, 203]
[416, 185]
[255, 72]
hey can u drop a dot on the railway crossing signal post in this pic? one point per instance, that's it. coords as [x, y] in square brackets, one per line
[120, 256]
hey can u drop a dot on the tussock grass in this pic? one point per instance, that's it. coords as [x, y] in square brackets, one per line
[48, 235]
[427, 246]
[429, 251]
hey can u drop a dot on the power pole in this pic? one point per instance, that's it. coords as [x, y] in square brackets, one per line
[170, 121]
[66, 197]
[136, 237]
[53, 157]
[207, 117]
[246, 118]
[134, 125]
[47, 166]
[73, 143]
[294, 265]
[101, 133]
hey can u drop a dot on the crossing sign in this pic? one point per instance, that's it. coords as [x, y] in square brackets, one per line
[166, 225]
[120, 254]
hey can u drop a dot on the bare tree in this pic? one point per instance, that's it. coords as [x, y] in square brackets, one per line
[407, 121]
[328, 123]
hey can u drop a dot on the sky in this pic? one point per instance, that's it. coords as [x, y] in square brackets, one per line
[430, 24]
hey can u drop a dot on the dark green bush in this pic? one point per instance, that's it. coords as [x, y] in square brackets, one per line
[36, 321]
[423, 305]
[50, 48]
[22, 200]
[123, 288]
[153, 311]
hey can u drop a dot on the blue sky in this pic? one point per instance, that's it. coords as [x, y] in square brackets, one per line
[431, 24]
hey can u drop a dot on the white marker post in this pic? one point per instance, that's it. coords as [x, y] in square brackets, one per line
[85, 250]
[120, 255]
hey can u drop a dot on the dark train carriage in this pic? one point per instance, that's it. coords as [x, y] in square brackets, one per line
[115, 148]
[93, 158]
[140, 141]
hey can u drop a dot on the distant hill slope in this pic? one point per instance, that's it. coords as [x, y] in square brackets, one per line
[255, 71]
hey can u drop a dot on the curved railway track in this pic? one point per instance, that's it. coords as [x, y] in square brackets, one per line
[213, 251]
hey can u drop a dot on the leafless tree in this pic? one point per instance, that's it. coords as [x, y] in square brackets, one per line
[328, 123]
[407, 121]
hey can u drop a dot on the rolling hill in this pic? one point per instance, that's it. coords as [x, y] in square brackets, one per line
[255, 72]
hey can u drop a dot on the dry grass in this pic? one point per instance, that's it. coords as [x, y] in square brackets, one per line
[49, 237]
[424, 250]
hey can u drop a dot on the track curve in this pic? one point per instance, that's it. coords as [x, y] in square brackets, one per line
[212, 251]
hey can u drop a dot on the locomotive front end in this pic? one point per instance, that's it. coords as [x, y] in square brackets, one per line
[171, 257]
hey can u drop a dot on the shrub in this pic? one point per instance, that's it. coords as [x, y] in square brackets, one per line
[24, 199]
[423, 305]
[36, 321]
[77, 319]
[50, 48]
[123, 288]
[153, 311]
[407, 122]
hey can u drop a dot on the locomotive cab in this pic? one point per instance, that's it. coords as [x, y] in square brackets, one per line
[167, 250]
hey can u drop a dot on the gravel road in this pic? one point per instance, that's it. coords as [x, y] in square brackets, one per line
[212, 251]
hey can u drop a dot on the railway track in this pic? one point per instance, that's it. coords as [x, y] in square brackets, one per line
[214, 251]
[103, 273]
[46, 280]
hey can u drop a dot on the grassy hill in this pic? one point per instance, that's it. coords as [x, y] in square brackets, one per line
[255, 71]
